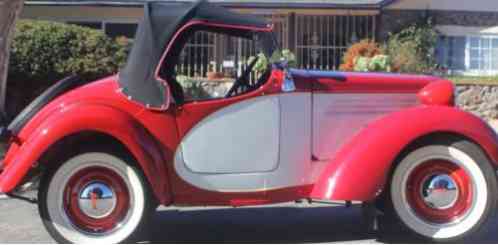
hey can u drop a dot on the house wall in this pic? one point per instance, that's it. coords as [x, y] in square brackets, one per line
[453, 30]
[459, 5]
[135, 13]
[393, 20]
[468, 28]
[82, 13]
[318, 36]
[449, 14]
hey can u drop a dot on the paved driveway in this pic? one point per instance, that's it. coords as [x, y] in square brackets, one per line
[19, 223]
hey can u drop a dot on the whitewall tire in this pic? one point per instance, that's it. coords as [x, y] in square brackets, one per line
[444, 193]
[94, 198]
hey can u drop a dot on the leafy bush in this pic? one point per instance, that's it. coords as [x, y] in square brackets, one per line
[278, 56]
[408, 51]
[43, 52]
[261, 64]
[365, 48]
[412, 49]
[284, 55]
[378, 63]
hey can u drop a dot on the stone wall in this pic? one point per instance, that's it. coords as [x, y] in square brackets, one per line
[480, 100]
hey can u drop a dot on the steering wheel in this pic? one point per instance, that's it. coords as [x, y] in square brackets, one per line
[242, 80]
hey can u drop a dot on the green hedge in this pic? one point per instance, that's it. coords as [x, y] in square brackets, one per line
[43, 52]
[412, 49]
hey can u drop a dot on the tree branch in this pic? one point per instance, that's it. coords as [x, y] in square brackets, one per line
[9, 13]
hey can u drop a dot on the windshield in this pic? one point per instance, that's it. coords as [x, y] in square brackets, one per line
[213, 63]
[267, 42]
[273, 54]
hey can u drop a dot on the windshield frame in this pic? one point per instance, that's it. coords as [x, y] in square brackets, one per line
[165, 70]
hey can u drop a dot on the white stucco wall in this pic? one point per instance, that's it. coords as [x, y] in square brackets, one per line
[463, 5]
[66, 13]
[133, 14]
[450, 30]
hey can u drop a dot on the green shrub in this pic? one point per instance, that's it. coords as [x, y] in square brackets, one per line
[261, 64]
[365, 56]
[378, 63]
[409, 51]
[412, 49]
[278, 56]
[365, 48]
[43, 52]
[284, 55]
[361, 63]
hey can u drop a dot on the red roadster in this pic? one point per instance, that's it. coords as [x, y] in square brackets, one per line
[164, 132]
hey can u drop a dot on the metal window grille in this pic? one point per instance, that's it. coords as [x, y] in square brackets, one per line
[198, 56]
[210, 52]
[321, 40]
[280, 28]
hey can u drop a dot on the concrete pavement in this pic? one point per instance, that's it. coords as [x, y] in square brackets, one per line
[288, 223]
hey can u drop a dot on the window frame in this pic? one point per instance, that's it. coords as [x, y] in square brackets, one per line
[103, 22]
[468, 71]
[106, 28]
[190, 32]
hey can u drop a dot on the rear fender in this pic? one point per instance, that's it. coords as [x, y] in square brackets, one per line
[360, 169]
[88, 117]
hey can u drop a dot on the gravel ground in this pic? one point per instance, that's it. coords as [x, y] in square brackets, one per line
[290, 223]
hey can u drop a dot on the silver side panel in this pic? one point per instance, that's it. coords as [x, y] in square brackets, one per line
[338, 117]
[243, 138]
[256, 145]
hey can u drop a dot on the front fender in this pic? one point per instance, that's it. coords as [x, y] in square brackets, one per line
[88, 117]
[360, 169]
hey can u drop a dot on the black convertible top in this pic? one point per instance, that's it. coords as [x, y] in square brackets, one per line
[160, 23]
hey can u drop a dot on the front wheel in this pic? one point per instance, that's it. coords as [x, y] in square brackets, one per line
[94, 198]
[444, 192]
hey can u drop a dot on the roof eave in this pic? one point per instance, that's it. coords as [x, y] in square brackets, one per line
[86, 3]
[301, 5]
[228, 4]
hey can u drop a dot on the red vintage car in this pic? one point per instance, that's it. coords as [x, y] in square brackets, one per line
[162, 132]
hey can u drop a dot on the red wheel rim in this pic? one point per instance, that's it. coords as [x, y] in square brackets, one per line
[79, 182]
[439, 178]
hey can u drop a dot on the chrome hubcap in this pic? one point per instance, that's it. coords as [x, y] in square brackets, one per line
[97, 200]
[439, 191]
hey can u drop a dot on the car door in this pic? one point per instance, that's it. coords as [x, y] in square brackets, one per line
[256, 139]
[238, 137]
[250, 143]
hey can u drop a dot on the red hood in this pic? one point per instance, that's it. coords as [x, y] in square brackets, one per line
[362, 82]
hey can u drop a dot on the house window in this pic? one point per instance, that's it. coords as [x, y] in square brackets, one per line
[111, 29]
[469, 55]
[483, 51]
[451, 52]
[121, 29]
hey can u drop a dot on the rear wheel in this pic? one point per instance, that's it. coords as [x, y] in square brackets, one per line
[444, 192]
[94, 197]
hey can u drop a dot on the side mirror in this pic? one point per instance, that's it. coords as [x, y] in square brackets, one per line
[288, 84]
